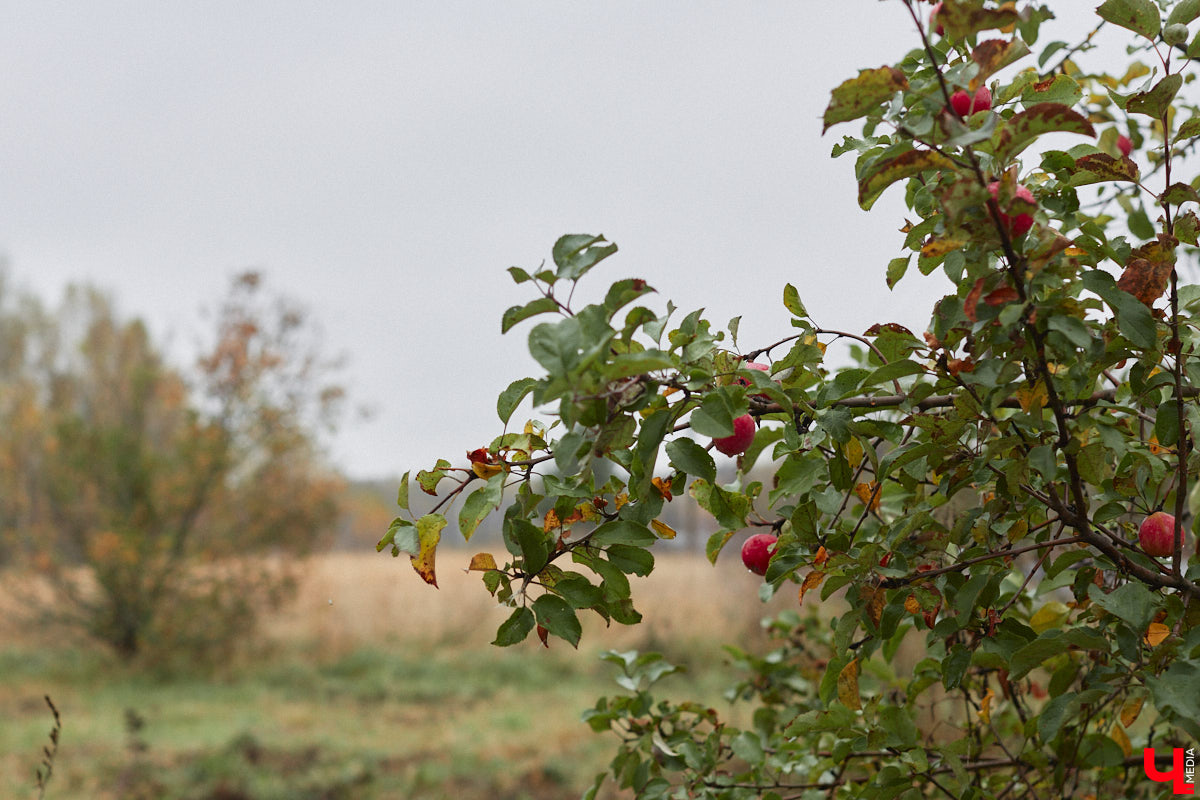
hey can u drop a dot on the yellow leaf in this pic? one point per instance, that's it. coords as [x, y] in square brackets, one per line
[551, 521]
[482, 562]
[1131, 709]
[1051, 615]
[936, 248]
[1074, 252]
[1157, 633]
[875, 599]
[912, 605]
[811, 581]
[854, 452]
[985, 707]
[486, 471]
[621, 499]
[663, 530]
[847, 686]
[1032, 398]
[869, 494]
[1118, 735]
[821, 557]
[662, 487]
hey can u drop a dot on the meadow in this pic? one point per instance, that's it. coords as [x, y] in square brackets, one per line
[369, 684]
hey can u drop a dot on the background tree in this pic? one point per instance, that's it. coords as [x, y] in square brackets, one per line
[979, 490]
[146, 498]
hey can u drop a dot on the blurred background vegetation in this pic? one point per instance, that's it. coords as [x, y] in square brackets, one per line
[197, 588]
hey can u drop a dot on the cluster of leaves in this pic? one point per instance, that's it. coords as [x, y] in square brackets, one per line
[978, 486]
[141, 492]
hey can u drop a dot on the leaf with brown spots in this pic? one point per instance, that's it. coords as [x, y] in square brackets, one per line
[856, 97]
[937, 248]
[960, 20]
[1101, 167]
[1145, 280]
[996, 54]
[847, 686]
[1020, 131]
[885, 172]
[875, 598]
[1139, 16]
[429, 533]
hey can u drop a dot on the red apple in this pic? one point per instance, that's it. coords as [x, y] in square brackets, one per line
[1157, 534]
[1124, 145]
[755, 366]
[1021, 223]
[757, 552]
[965, 104]
[937, 26]
[743, 435]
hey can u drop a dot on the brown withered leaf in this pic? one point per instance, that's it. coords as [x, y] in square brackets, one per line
[972, 301]
[821, 557]
[875, 598]
[1145, 280]
[998, 297]
[811, 581]
[662, 487]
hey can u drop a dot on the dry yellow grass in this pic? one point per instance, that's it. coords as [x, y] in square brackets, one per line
[346, 600]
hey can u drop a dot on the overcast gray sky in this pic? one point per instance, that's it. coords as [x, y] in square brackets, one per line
[385, 162]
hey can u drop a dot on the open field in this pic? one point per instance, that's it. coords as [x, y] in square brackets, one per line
[370, 685]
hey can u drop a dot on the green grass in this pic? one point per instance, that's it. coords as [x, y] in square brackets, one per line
[401, 719]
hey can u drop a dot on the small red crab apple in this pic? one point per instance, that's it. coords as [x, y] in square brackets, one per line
[965, 104]
[1156, 534]
[757, 552]
[743, 435]
[1021, 223]
[1124, 145]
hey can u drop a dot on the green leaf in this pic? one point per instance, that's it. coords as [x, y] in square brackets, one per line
[630, 560]
[555, 615]
[515, 628]
[1054, 713]
[856, 97]
[1175, 690]
[519, 275]
[402, 493]
[480, 503]
[796, 476]
[1166, 424]
[518, 313]
[791, 301]
[1130, 602]
[621, 531]
[896, 269]
[1155, 102]
[1032, 655]
[689, 457]
[402, 537]
[1139, 16]
[578, 590]
[1133, 317]
[575, 254]
[1023, 128]
[1184, 12]
[715, 416]
[531, 540]
[557, 346]
[428, 479]
[885, 172]
[511, 397]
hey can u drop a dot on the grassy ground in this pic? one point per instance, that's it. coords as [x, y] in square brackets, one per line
[370, 685]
